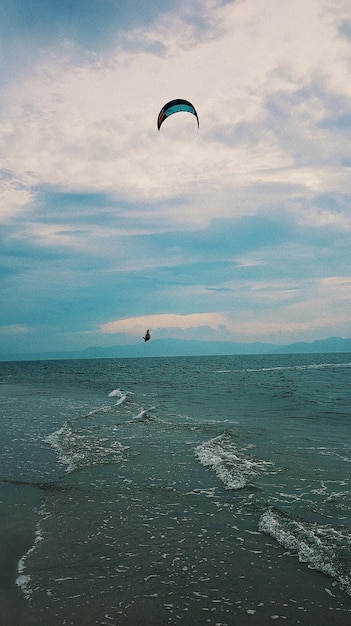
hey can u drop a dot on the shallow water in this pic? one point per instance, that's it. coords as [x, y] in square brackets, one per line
[203, 490]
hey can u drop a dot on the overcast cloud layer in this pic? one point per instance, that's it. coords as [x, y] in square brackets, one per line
[239, 230]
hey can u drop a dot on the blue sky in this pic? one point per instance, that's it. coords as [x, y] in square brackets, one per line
[236, 231]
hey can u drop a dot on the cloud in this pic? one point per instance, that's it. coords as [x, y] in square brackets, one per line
[136, 325]
[104, 218]
[14, 198]
[84, 134]
[82, 30]
[14, 329]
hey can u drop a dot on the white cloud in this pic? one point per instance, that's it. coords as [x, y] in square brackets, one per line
[13, 199]
[136, 325]
[14, 329]
[94, 126]
[270, 81]
[326, 218]
[292, 322]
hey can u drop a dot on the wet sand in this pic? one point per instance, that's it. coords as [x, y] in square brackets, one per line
[17, 530]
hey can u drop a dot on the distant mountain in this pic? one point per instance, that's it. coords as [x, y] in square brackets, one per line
[332, 344]
[176, 347]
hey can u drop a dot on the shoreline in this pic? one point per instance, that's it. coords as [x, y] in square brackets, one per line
[19, 503]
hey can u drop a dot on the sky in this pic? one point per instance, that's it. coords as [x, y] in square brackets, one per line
[238, 230]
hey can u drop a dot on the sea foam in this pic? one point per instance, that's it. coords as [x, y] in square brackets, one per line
[233, 466]
[77, 448]
[322, 547]
[23, 580]
[118, 393]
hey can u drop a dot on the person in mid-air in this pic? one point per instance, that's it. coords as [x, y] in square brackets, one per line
[147, 336]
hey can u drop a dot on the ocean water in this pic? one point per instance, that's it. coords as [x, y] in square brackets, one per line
[190, 490]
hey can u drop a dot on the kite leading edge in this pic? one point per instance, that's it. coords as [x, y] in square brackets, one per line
[174, 106]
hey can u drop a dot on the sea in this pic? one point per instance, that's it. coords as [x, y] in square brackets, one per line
[185, 490]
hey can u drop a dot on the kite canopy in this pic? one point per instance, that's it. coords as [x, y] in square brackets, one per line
[173, 107]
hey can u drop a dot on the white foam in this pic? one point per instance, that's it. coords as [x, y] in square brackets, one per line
[102, 409]
[310, 366]
[24, 580]
[78, 449]
[142, 416]
[58, 441]
[118, 393]
[322, 547]
[232, 465]
[121, 400]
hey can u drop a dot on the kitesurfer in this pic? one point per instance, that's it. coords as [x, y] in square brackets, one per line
[147, 336]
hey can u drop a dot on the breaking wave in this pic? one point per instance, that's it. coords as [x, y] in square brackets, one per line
[235, 467]
[322, 547]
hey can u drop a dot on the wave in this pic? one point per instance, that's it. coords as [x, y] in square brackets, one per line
[116, 393]
[322, 547]
[310, 366]
[83, 442]
[23, 580]
[233, 466]
[143, 416]
[119, 394]
[77, 449]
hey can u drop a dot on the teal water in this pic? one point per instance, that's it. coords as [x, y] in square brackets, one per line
[193, 490]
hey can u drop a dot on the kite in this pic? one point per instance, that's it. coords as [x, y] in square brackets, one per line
[173, 107]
